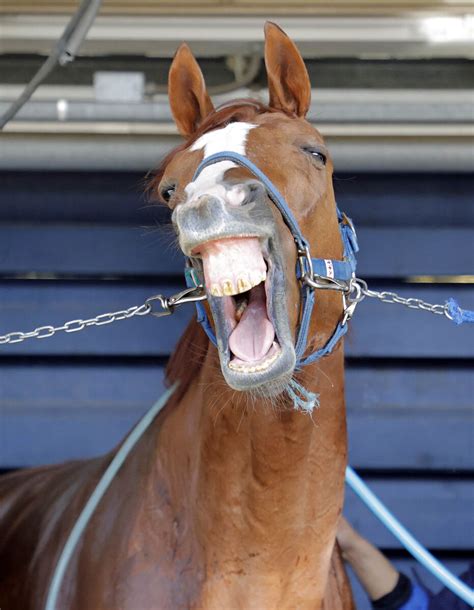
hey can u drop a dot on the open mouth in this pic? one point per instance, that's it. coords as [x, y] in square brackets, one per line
[253, 343]
[245, 286]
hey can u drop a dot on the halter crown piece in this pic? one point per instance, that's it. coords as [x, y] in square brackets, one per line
[313, 272]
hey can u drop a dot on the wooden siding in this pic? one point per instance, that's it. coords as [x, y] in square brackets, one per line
[75, 245]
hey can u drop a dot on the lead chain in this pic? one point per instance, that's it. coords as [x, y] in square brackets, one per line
[73, 326]
[412, 303]
[166, 307]
[357, 292]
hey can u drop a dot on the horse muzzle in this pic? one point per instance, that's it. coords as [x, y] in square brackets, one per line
[233, 244]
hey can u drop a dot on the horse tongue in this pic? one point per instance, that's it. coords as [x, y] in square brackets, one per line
[253, 336]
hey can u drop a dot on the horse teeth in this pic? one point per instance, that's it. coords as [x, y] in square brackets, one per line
[215, 290]
[240, 310]
[257, 277]
[228, 288]
[243, 284]
[254, 369]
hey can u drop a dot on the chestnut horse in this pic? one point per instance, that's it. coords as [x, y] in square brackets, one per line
[232, 497]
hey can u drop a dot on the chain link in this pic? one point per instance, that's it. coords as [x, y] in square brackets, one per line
[73, 326]
[167, 305]
[392, 297]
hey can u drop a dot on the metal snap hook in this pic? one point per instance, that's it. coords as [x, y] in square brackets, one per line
[351, 300]
[166, 310]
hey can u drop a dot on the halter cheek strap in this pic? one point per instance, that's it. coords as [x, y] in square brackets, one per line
[313, 272]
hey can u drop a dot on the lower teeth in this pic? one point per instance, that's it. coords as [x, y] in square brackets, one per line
[242, 306]
[256, 368]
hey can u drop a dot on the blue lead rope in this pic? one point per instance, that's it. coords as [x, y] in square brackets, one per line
[96, 496]
[459, 316]
[417, 550]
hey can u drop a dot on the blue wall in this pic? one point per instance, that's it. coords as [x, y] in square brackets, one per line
[73, 245]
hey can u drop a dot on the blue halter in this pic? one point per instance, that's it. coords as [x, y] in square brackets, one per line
[313, 272]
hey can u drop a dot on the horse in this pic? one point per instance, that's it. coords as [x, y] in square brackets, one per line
[232, 497]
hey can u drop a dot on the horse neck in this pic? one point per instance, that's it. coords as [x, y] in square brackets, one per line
[258, 484]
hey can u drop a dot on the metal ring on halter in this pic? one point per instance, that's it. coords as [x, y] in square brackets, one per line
[314, 280]
[323, 282]
[305, 263]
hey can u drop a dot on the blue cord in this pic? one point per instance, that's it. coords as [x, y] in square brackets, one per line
[303, 399]
[458, 315]
[419, 552]
[97, 496]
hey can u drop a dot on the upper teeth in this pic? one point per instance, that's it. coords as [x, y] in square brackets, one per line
[229, 287]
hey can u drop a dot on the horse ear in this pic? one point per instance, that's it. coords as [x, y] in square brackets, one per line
[288, 80]
[189, 100]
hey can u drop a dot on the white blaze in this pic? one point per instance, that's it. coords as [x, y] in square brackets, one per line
[232, 137]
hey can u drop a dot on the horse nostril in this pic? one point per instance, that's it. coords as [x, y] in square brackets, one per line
[245, 193]
[195, 216]
[256, 190]
[206, 207]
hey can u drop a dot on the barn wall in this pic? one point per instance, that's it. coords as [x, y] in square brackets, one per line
[73, 245]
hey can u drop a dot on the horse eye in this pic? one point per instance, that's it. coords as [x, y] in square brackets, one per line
[320, 156]
[168, 192]
[317, 154]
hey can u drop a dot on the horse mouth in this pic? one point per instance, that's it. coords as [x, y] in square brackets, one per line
[246, 289]
[253, 342]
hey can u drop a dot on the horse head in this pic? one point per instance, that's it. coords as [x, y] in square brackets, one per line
[229, 228]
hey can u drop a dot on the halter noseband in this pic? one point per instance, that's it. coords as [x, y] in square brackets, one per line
[313, 272]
